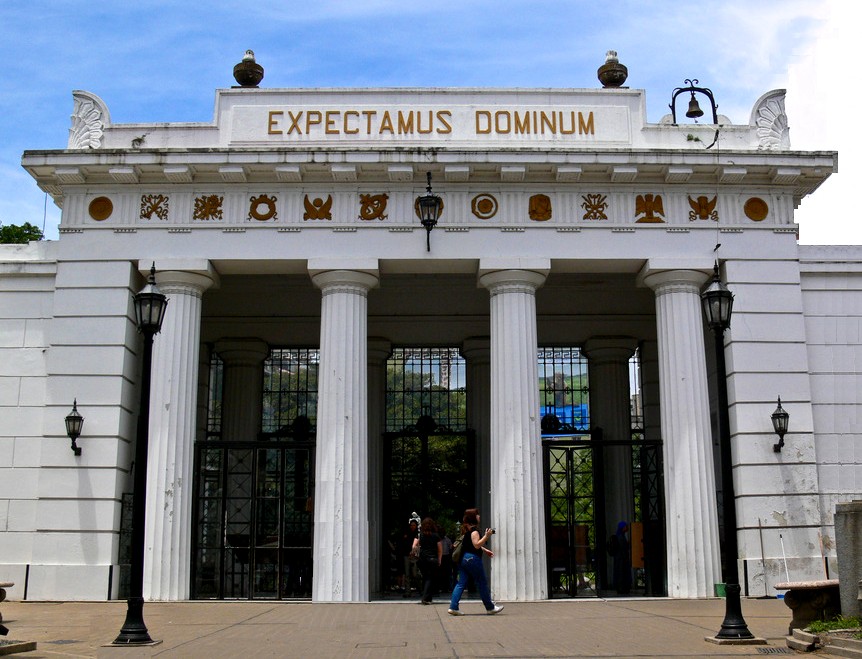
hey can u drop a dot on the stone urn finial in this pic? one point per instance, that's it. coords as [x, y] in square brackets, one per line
[248, 73]
[612, 73]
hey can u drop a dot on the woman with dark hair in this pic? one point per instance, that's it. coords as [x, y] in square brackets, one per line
[430, 549]
[471, 564]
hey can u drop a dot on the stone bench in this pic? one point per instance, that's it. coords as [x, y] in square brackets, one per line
[810, 601]
[3, 586]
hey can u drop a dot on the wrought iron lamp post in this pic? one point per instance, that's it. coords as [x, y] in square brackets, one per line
[430, 206]
[717, 307]
[74, 423]
[150, 305]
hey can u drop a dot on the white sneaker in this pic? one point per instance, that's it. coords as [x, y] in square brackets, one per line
[456, 612]
[497, 608]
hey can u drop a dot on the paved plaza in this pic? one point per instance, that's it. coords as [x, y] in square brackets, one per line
[559, 628]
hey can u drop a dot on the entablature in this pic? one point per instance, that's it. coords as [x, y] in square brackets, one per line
[60, 171]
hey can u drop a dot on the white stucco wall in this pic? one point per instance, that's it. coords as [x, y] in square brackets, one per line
[832, 294]
[27, 275]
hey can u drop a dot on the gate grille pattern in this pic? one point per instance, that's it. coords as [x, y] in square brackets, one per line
[254, 509]
[426, 381]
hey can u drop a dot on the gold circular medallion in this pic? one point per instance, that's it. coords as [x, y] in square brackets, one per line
[262, 208]
[756, 209]
[484, 206]
[101, 208]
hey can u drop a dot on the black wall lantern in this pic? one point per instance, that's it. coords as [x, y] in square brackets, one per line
[780, 421]
[74, 423]
[694, 111]
[430, 206]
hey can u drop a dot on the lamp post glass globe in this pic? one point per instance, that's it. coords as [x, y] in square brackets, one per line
[717, 303]
[150, 306]
[429, 211]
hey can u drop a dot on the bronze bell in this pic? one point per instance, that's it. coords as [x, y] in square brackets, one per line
[694, 110]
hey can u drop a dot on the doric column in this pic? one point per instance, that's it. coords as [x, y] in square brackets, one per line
[689, 473]
[341, 474]
[517, 493]
[173, 407]
[477, 358]
[610, 410]
[378, 352]
[242, 393]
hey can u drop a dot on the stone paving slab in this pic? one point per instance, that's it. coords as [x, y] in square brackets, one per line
[558, 628]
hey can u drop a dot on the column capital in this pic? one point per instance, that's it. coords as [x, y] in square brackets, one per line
[346, 281]
[237, 351]
[512, 281]
[663, 274]
[192, 276]
[600, 349]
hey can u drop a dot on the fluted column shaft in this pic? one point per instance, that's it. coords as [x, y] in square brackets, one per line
[242, 393]
[341, 474]
[378, 352]
[610, 410]
[689, 472]
[477, 358]
[517, 494]
[173, 408]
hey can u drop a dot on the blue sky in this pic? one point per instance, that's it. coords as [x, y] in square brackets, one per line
[160, 61]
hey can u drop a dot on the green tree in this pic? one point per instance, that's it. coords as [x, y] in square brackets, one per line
[21, 235]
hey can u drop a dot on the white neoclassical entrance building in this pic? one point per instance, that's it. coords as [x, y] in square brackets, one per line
[327, 366]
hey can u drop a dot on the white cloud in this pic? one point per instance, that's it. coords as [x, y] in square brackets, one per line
[818, 98]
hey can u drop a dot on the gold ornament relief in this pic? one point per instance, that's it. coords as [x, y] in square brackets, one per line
[373, 207]
[262, 208]
[650, 206]
[703, 208]
[154, 204]
[540, 208]
[595, 206]
[756, 209]
[318, 209]
[101, 208]
[484, 206]
[208, 207]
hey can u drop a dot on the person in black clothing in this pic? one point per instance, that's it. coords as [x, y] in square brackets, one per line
[404, 547]
[430, 549]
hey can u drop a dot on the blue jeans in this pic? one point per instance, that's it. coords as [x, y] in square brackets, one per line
[471, 566]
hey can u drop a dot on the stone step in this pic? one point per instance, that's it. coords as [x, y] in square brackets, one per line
[803, 641]
[841, 647]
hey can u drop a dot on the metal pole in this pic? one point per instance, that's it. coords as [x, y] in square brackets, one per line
[134, 630]
[734, 625]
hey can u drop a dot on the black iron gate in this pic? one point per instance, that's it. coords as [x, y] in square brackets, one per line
[574, 508]
[254, 519]
[430, 471]
[571, 516]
